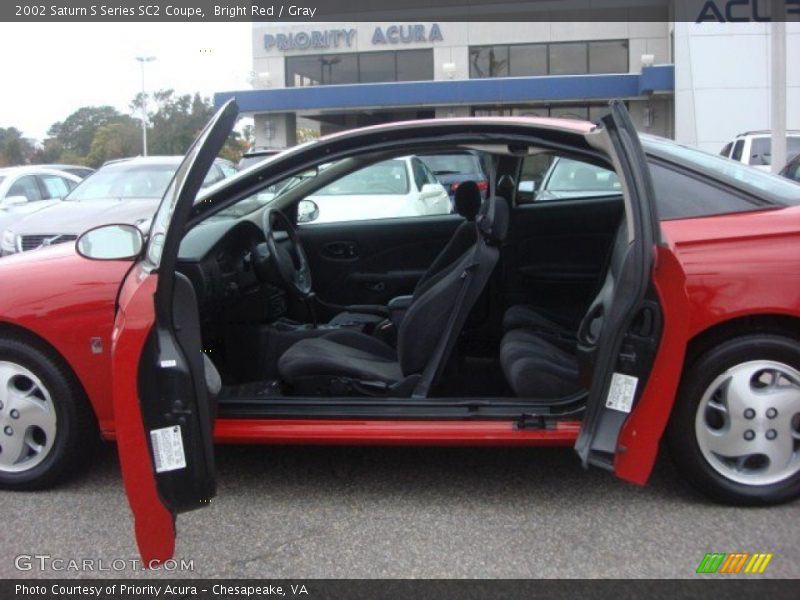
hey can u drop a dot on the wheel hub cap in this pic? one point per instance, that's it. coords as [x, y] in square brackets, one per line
[27, 419]
[748, 423]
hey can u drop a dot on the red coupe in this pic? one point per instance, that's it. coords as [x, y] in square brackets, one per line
[612, 287]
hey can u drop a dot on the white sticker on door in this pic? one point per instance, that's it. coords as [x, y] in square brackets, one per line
[168, 449]
[621, 392]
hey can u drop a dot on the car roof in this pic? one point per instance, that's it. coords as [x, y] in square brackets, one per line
[33, 169]
[767, 132]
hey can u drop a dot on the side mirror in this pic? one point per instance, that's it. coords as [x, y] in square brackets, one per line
[527, 187]
[307, 211]
[111, 242]
[10, 201]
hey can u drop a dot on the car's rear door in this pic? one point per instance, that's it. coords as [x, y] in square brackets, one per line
[633, 368]
[162, 404]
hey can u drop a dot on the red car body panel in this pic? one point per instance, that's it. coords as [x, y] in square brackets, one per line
[154, 523]
[67, 300]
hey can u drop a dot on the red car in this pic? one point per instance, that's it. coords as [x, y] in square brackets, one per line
[653, 288]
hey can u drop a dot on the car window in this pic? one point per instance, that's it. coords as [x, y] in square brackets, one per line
[380, 191]
[227, 170]
[726, 151]
[734, 174]
[738, 147]
[26, 186]
[546, 178]
[761, 149]
[452, 164]
[385, 178]
[680, 195]
[214, 175]
[126, 181]
[420, 176]
[55, 186]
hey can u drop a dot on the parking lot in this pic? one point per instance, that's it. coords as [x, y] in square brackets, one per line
[407, 512]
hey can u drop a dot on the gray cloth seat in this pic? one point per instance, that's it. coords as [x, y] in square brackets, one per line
[467, 203]
[539, 355]
[427, 332]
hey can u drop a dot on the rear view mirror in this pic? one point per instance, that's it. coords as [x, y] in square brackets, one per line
[431, 189]
[111, 242]
[307, 211]
[10, 201]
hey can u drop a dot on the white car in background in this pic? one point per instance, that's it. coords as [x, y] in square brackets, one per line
[26, 190]
[754, 148]
[401, 187]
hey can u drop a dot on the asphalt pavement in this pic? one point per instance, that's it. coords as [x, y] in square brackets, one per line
[405, 512]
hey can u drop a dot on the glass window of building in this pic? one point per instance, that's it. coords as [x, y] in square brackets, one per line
[377, 67]
[488, 61]
[527, 60]
[367, 67]
[608, 57]
[414, 65]
[569, 59]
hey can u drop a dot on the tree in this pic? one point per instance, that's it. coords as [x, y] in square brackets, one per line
[114, 140]
[14, 149]
[76, 133]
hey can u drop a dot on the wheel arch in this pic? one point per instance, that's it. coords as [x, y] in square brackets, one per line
[19, 332]
[777, 324]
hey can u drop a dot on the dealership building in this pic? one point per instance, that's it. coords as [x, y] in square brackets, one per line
[699, 83]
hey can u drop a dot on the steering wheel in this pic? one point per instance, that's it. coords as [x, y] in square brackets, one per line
[290, 263]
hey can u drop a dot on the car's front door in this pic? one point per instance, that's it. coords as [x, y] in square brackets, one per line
[162, 390]
[631, 343]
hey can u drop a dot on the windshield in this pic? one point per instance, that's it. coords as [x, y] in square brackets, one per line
[125, 181]
[728, 171]
[451, 164]
[387, 177]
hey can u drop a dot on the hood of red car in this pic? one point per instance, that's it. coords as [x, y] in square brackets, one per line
[73, 218]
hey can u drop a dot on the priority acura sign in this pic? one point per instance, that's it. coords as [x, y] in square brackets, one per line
[344, 38]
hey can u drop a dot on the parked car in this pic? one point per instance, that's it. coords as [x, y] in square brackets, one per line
[122, 191]
[26, 190]
[613, 320]
[792, 169]
[454, 167]
[400, 187]
[754, 148]
[77, 170]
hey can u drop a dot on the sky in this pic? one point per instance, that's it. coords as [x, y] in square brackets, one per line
[60, 67]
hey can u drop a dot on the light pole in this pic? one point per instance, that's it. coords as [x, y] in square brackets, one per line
[142, 60]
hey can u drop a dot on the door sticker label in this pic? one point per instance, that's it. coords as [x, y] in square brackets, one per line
[168, 449]
[621, 393]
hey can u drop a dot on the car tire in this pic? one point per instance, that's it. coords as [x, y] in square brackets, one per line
[44, 407]
[737, 419]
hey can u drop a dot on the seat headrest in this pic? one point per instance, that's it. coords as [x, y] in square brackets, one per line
[492, 221]
[468, 200]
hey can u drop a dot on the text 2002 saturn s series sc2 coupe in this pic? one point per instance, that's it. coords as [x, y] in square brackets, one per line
[664, 296]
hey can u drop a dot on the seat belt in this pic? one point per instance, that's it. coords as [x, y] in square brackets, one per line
[445, 346]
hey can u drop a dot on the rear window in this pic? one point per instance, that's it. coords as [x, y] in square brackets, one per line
[762, 185]
[452, 164]
[761, 150]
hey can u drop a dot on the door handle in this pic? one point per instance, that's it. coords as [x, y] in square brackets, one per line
[340, 250]
[375, 286]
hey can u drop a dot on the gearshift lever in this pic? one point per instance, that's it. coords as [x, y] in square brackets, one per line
[311, 304]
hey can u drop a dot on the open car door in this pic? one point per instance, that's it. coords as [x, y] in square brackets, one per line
[631, 352]
[163, 384]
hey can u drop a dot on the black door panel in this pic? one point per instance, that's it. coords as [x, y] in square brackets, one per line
[371, 262]
[556, 254]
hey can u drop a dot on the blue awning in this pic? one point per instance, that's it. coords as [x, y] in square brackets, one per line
[500, 90]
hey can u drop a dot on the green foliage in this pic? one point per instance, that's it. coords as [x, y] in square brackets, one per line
[94, 134]
[14, 149]
[114, 140]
